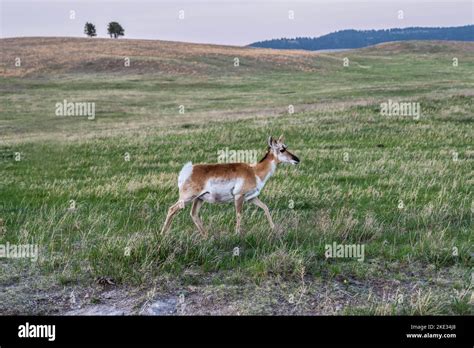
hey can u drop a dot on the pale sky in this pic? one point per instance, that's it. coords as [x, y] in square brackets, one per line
[224, 22]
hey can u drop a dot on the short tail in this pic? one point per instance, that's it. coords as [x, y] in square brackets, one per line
[184, 174]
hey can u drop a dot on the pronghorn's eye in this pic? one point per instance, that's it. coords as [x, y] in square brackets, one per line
[282, 150]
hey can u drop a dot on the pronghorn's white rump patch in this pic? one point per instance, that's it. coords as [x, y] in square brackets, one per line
[185, 173]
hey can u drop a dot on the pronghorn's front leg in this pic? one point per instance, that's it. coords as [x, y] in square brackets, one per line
[197, 204]
[175, 208]
[262, 205]
[239, 202]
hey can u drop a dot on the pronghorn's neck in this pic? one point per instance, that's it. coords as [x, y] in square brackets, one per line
[266, 167]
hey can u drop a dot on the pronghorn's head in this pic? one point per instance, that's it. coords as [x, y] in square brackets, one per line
[280, 151]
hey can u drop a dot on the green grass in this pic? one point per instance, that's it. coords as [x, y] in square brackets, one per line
[121, 205]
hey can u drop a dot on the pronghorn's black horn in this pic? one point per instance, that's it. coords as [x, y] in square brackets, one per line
[270, 141]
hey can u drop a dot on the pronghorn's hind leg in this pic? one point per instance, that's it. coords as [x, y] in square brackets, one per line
[262, 205]
[239, 202]
[197, 204]
[172, 211]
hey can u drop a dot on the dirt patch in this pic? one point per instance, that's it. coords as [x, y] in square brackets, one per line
[35, 294]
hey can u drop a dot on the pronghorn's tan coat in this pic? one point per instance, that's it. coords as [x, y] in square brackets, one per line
[220, 183]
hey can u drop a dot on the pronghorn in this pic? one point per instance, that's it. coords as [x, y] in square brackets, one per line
[221, 183]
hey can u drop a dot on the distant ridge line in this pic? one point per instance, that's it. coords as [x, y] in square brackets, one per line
[350, 38]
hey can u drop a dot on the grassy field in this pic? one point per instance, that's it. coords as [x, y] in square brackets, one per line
[93, 194]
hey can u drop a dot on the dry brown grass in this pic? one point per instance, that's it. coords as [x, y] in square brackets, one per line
[424, 47]
[70, 55]
[55, 55]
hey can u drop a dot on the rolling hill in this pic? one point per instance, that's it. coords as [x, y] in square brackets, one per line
[40, 55]
[46, 56]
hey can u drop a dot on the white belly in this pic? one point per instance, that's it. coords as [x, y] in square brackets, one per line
[222, 191]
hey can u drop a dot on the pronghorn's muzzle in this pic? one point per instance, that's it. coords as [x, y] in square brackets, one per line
[295, 160]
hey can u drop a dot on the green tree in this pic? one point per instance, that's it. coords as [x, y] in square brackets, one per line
[89, 29]
[115, 30]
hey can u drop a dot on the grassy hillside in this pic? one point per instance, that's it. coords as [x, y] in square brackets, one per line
[357, 166]
[51, 56]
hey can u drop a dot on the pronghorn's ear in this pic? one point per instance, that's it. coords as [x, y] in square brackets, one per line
[281, 139]
[270, 141]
